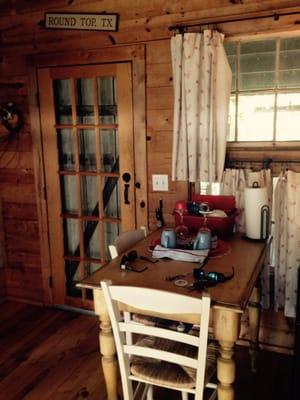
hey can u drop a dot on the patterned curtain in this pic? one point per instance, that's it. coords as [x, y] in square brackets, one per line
[287, 241]
[233, 183]
[202, 84]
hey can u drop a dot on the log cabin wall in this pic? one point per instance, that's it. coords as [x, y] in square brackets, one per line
[24, 41]
[2, 260]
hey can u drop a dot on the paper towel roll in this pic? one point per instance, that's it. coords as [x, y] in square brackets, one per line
[256, 213]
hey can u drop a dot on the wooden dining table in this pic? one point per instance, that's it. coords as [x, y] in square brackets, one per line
[229, 299]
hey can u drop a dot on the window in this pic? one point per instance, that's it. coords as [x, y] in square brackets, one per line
[265, 99]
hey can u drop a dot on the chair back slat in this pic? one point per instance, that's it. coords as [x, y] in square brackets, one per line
[159, 332]
[152, 300]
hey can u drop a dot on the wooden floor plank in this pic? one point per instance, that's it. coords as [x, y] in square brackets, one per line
[71, 364]
[18, 348]
[268, 382]
[50, 354]
[85, 381]
[46, 358]
[8, 308]
[23, 318]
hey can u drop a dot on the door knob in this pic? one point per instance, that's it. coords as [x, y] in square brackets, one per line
[126, 177]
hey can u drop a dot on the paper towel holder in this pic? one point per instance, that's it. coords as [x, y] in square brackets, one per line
[264, 222]
[264, 217]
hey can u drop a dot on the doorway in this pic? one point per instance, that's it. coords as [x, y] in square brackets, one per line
[88, 148]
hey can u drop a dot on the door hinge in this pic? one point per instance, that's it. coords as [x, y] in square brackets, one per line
[50, 282]
[37, 95]
[45, 193]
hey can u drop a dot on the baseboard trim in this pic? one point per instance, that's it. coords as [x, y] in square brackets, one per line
[25, 301]
[268, 347]
[74, 309]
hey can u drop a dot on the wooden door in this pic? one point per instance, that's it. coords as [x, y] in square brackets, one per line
[87, 137]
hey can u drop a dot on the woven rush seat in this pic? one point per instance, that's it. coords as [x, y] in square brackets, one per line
[167, 373]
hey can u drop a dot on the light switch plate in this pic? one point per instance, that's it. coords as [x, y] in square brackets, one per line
[160, 183]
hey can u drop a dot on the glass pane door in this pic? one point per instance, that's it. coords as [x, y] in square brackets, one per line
[88, 141]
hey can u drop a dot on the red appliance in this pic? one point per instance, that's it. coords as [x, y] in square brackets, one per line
[221, 226]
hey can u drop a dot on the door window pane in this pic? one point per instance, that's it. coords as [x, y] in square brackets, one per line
[111, 203]
[87, 149]
[90, 268]
[107, 100]
[231, 119]
[109, 150]
[255, 117]
[71, 237]
[288, 116]
[84, 101]
[289, 65]
[91, 239]
[65, 143]
[73, 275]
[89, 195]
[69, 194]
[257, 65]
[62, 99]
[230, 49]
[111, 232]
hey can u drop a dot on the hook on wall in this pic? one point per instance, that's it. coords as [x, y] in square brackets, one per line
[266, 163]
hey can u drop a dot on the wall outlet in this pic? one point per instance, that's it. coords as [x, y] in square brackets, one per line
[160, 183]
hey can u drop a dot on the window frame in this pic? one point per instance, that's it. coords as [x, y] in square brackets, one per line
[264, 144]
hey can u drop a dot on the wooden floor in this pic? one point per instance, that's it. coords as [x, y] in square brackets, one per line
[52, 354]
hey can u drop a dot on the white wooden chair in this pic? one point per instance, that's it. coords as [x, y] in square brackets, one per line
[161, 357]
[126, 240]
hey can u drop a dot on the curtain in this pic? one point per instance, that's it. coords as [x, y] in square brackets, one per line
[202, 85]
[287, 241]
[234, 182]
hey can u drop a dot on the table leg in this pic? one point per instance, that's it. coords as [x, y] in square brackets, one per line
[254, 309]
[226, 326]
[107, 346]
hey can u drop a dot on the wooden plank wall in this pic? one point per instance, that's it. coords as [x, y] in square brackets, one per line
[20, 236]
[159, 128]
[144, 21]
[2, 259]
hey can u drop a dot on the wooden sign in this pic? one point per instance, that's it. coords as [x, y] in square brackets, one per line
[89, 22]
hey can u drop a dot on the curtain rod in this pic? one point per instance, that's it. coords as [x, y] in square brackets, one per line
[265, 162]
[275, 15]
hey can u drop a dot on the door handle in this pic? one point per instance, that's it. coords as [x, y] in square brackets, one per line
[126, 188]
[126, 178]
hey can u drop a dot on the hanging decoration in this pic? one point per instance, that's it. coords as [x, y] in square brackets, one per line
[12, 119]
[82, 21]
